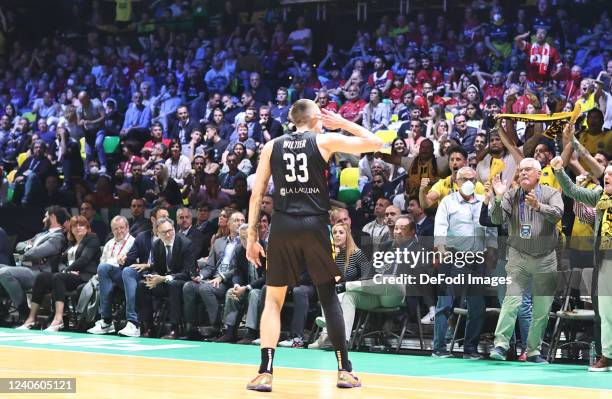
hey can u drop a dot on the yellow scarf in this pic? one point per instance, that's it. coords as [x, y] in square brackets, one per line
[605, 204]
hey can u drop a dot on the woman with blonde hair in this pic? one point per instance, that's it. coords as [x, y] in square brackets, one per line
[352, 264]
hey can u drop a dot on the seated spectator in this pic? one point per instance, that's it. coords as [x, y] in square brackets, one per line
[42, 253]
[31, 176]
[214, 144]
[181, 128]
[90, 116]
[157, 136]
[185, 227]
[88, 211]
[247, 287]
[267, 128]
[137, 223]
[376, 114]
[138, 259]
[172, 264]
[139, 182]
[164, 186]
[215, 278]
[352, 264]
[137, 120]
[280, 111]
[248, 143]
[377, 229]
[353, 106]
[195, 146]
[178, 165]
[110, 273]
[244, 163]
[210, 193]
[80, 259]
[367, 295]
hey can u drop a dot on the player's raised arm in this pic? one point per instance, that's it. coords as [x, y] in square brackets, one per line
[262, 176]
[362, 140]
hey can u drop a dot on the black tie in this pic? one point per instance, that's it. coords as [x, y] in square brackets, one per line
[168, 256]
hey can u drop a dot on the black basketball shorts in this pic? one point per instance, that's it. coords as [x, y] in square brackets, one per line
[299, 243]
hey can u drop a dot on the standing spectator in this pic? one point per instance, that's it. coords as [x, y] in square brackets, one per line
[300, 40]
[543, 60]
[456, 220]
[532, 212]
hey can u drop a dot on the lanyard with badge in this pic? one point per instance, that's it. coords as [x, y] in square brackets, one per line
[525, 217]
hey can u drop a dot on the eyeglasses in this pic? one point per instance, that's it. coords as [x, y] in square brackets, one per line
[526, 170]
[166, 232]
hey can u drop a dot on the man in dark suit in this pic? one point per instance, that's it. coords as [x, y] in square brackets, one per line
[172, 264]
[138, 222]
[183, 125]
[216, 277]
[138, 260]
[185, 226]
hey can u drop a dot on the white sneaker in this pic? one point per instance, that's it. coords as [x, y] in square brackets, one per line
[296, 342]
[130, 330]
[429, 317]
[320, 321]
[256, 341]
[102, 328]
[321, 343]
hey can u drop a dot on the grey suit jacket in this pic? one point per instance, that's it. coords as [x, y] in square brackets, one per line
[212, 263]
[46, 254]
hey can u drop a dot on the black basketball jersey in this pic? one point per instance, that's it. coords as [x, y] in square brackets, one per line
[298, 172]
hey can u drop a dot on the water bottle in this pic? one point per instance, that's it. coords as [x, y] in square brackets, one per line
[592, 354]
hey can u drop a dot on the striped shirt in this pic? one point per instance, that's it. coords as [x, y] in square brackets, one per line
[544, 234]
[359, 267]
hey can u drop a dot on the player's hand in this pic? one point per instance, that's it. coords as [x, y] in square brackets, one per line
[332, 120]
[556, 163]
[254, 252]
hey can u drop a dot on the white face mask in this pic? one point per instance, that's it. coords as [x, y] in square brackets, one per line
[94, 170]
[467, 188]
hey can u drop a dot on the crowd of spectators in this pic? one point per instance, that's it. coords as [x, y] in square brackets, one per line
[168, 105]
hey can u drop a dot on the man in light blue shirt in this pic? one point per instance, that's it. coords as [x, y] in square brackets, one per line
[461, 240]
[137, 117]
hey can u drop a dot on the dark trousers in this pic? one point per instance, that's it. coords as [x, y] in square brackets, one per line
[302, 295]
[144, 300]
[211, 297]
[57, 283]
[475, 306]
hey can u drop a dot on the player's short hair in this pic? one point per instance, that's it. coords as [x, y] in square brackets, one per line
[302, 112]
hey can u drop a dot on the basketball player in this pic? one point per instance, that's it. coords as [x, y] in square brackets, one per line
[300, 233]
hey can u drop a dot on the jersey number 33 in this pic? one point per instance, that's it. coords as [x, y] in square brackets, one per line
[297, 167]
